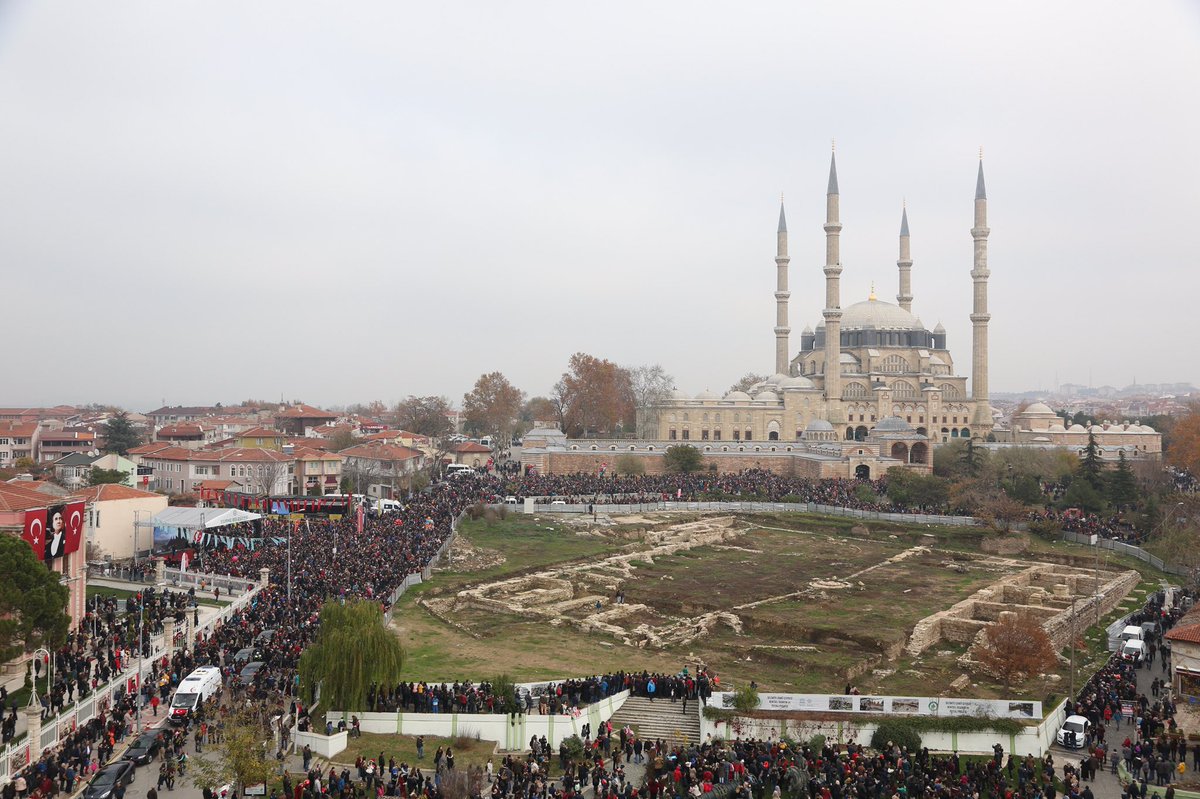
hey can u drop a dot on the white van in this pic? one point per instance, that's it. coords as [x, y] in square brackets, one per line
[193, 691]
[1133, 650]
[453, 469]
[388, 506]
[1131, 633]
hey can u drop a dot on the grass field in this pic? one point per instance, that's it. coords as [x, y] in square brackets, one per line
[467, 751]
[820, 605]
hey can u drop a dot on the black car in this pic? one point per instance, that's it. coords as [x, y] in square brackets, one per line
[108, 778]
[144, 748]
[244, 655]
[247, 674]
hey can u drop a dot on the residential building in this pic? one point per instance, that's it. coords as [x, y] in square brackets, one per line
[18, 440]
[1185, 656]
[57, 443]
[75, 470]
[113, 512]
[382, 470]
[317, 470]
[297, 419]
[470, 453]
[175, 470]
[189, 435]
[261, 437]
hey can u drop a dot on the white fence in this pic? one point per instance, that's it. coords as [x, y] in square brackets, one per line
[1126, 549]
[1032, 739]
[757, 507]
[510, 731]
[190, 579]
[16, 756]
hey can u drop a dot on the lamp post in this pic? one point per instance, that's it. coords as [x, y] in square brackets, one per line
[1071, 698]
[39, 655]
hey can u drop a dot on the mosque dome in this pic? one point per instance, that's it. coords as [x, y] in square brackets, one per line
[819, 426]
[766, 396]
[679, 395]
[737, 396]
[706, 395]
[878, 315]
[1076, 428]
[1038, 407]
[797, 382]
[777, 379]
[893, 424]
[1057, 428]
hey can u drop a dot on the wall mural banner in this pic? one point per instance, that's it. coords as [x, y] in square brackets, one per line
[64, 530]
[35, 532]
[908, 705]
[74, 527]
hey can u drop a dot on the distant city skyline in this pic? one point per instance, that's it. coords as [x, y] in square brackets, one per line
[281, 201]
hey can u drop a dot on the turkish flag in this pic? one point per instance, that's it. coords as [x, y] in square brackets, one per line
[74, 527]
[35, 531]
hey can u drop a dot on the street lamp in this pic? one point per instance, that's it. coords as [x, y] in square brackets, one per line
[40, 654]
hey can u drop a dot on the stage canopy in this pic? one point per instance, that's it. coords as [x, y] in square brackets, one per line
[190, 519]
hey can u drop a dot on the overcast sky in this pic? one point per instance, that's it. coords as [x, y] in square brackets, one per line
[342, 202]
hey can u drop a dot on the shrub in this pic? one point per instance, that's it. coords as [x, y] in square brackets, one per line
[816, 743]
[629, 464]
[891, 732]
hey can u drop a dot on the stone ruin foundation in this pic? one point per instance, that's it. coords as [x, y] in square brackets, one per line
[1045, 591]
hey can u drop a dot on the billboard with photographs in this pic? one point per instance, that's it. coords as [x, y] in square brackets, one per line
[907, 705]
[62, 530]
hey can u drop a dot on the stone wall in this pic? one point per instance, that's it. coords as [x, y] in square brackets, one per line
[555, 462]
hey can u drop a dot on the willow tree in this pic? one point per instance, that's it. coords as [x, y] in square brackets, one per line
[353, 651]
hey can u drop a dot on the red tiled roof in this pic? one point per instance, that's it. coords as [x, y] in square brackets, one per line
[1189, 634]
[303, 411]
[471, 446]
[381, 452]
[67, 435]
[261, 432]
[14, 497]
[151, 448]
[112, 491]
[18, 429]
[176, 430]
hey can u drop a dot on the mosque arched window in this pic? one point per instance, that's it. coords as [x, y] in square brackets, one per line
[894, 363]
[950, 391]
[854, 390]
[903, 390]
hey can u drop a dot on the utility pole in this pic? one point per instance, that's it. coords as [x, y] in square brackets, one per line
[1071, 698]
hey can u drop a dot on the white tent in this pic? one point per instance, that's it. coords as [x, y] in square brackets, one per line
[190, 519]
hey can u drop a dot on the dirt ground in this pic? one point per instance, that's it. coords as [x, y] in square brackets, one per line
[818, 609]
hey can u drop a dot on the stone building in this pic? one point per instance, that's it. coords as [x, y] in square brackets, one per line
[866, 364]
[1039, 426]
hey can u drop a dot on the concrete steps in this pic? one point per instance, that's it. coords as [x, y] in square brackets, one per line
[661, 718]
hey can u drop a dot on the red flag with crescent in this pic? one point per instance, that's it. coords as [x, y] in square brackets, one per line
[74, 527]
[35, 531]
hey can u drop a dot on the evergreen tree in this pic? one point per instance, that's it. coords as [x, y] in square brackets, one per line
[1080, 494]
[1122, 488]
[120, 436]
[682, 458]
[972, 458]
[33, 602]
[1091, 468]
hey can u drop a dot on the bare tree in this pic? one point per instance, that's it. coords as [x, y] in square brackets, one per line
[1014, 649]
[651, 384]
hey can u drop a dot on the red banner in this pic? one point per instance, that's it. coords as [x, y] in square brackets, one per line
[35, 532]
[74, 527]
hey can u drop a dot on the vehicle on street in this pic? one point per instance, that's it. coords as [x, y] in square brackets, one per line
[1133, 632]
[1133, 650]
[193, 691]
[105, 783]
[510, 500]
[144, 748]
[453, 469]
[246, 675]
[244, 656]
[1073, 732]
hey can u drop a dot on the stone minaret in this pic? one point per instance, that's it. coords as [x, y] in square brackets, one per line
[782, 355]
[904, 298]
[833, 302]
[979, 313]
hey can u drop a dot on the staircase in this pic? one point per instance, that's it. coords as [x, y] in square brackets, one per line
[661, 718]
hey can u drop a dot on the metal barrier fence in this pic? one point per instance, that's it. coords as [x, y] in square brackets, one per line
[762, 507]
[417, 579]
[189, 579]
[16, 756]
[1127, 549]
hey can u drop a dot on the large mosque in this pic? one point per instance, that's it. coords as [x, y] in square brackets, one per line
[871, 370]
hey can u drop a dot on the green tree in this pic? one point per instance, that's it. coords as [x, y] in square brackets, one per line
[340, 440]
[1122, 487]
[1091, 468]
[241, 759]
[972, 458]
[914, 490]
[98, 476]
[506, 695]
[1024, 488]
[353, 651]
[33, 603]
[745, 699]
[682, 458]
[1080, 494]
[120, 435]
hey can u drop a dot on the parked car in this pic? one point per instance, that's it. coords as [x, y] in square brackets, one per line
[246, 675]
[244, 656]
[143, 749]
[108, 778]
[1073, 732]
